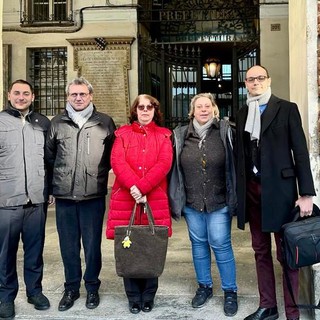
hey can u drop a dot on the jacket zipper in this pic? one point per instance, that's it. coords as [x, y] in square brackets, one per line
[88, 143]
[24, 157]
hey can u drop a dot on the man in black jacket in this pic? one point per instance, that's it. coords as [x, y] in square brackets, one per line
[78, 150]
[23, 197]
[272, 160]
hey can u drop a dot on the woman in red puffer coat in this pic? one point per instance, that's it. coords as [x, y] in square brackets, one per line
[141, 159]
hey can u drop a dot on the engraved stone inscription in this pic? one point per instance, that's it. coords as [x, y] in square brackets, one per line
[107, 71]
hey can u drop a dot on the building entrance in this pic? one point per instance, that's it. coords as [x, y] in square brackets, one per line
[187, 47]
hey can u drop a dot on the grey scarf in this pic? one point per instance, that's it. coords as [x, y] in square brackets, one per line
[80, 117]
[253, 124]
[201, 130]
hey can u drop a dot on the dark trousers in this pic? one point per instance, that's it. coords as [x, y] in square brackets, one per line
[261, 244]
[29, 222]
[140, 290]
[76, 221]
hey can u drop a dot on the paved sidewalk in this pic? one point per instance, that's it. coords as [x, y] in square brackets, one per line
[177, 285]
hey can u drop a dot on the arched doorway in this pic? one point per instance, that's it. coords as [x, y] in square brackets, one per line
[187, 47]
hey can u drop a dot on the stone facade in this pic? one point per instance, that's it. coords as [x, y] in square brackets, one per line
[318, 48]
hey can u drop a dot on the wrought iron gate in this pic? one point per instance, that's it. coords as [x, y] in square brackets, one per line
[171, 74]
[172, 36]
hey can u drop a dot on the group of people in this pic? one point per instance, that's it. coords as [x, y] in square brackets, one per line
[205, 171]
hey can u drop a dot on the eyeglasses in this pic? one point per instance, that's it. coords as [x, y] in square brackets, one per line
[149, 107]
[259, 78]
[82, 95]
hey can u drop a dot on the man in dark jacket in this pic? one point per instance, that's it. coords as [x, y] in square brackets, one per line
[23, 197]
[78, 150]
[272, 160]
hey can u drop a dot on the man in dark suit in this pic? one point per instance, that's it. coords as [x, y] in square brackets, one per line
[272, 161]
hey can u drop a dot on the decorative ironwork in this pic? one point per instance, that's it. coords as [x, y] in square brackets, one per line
[48, 73]
[174, 53]
[192, 21]
[32, 19]
[176, 66]
[171, 61]
[46, 12]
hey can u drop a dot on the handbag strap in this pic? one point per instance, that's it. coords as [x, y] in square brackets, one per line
[148, 211]
[133, 214]
[296, 213]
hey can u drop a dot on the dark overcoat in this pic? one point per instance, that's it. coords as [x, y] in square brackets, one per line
[285, 164]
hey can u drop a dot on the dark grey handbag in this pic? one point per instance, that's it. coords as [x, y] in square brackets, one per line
[140, 250]
[300, 245]
[301, 239]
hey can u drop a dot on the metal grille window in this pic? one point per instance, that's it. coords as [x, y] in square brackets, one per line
[184, 87]
[42, 11]
[245, 62]
[48, 74]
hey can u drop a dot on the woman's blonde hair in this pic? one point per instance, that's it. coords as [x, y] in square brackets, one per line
[203, 95]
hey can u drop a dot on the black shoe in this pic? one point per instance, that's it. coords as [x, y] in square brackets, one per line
[134, 307]
[7, 310]
[230, 307]
[93, 300]
[264, 314]
[69, 297]
[293, 318]
[147, 306]
[202, 295]
[40, 301]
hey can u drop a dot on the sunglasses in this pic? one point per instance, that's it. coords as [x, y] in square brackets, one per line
[149, 107]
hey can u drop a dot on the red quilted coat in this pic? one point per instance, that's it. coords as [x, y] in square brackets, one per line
[141, 156]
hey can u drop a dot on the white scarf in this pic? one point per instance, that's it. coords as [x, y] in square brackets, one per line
[253, 124]
[201, 130]
[80, 117]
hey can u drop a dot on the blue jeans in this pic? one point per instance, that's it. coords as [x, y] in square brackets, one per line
[212, 229]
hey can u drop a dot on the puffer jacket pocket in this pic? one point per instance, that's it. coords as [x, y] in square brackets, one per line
[96, 181]
[39, 139]
[9, 140]
[62, 181]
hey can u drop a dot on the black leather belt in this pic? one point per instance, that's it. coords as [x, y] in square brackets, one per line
[27, 205]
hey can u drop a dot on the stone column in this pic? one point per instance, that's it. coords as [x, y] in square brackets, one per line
[1, 60]
[303, 78]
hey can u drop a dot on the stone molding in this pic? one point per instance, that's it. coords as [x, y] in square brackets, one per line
[91, 44]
